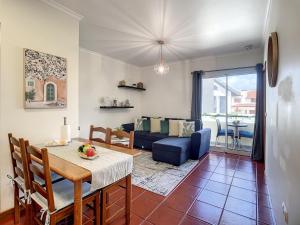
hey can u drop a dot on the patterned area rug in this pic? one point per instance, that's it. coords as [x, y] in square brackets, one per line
[158, 177]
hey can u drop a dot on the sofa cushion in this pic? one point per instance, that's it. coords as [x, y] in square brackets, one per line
[172, 150]
[174, 127]
[149, 136]
[138, 123]
[146, 125]
[155, 125]
[128, 127]
[164, 126]
[173, 143]
[186, 128]
[198, 123]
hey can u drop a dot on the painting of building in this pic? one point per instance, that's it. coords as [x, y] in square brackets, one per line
[45, 80]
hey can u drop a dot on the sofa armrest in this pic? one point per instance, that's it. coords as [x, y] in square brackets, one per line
[200, 143]
[128, 127]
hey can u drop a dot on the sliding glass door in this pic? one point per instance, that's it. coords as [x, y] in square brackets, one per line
[228, 108]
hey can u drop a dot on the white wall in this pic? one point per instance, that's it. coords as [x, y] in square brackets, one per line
[283, 110]
[99, 77]
[35, 25]
[170, 95]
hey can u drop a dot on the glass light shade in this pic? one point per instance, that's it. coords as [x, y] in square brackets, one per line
[161, 68]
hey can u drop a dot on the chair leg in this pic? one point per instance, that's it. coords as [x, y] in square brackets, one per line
[97, 209]
[16, 205]
[28, 215]
[52, 220]
[33, 214]
[103, 207]
[217, 138]
[128, 199]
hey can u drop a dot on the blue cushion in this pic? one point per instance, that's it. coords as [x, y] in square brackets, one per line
[171, 143]
[222, 132]
[63, 193]
[172, 150]
[149, 136]
[246, 134]
[128, 127]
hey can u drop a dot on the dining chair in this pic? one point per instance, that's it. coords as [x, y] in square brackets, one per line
[222, 132]
[98, 130]
[125, 183]
[20, 178]
[106, 206]
[55, 200]
[245, 134]
[121, 134]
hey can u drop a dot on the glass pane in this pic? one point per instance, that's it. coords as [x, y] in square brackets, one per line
[50, 92]
[241, 111]
[214, 108]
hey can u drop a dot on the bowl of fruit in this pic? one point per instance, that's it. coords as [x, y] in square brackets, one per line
[87, 151]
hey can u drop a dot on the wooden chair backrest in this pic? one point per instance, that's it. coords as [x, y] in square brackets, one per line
[19, 159]
[40, 156]
[100, 130]
[123, 134]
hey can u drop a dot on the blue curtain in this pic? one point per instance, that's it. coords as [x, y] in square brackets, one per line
[197, 96]
[258, 137]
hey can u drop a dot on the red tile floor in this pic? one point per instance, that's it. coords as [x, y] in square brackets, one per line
[223, 189]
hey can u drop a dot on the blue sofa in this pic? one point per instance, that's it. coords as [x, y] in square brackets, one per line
[173, 150]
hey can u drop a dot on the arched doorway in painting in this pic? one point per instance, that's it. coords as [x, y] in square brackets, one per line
[50, 92]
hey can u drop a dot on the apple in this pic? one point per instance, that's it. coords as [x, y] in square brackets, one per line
[90, 152]
[85, 148]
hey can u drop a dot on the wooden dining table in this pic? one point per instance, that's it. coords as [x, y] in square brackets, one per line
[78, 175]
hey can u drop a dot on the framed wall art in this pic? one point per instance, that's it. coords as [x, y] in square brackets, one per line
[45, 80]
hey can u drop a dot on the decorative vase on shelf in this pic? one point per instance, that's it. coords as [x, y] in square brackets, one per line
[115, 102]
[106, 101]
[140, 85]
[122, 83]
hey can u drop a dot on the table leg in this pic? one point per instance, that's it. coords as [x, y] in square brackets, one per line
[236, 131]
[77, 202]
[128, 198]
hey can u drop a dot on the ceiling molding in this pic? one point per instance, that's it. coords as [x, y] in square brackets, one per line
[89, 51]
[63, 9]
[107, 57]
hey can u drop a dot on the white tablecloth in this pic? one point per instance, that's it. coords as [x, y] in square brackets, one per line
[108, 168]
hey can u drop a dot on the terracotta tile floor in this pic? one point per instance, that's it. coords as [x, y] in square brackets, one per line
[223, 189]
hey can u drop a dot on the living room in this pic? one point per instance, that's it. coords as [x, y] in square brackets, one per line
[226, 156]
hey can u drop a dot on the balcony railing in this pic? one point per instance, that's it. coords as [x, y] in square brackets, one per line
[209, 121]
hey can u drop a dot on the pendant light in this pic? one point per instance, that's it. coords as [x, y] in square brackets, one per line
[161, 68]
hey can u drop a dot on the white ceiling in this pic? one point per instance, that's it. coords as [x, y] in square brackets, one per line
[127, 29]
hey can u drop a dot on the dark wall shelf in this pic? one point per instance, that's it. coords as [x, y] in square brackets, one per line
[131, 87]
[116, 107]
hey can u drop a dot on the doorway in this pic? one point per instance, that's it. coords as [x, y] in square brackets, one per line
[228, 108]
